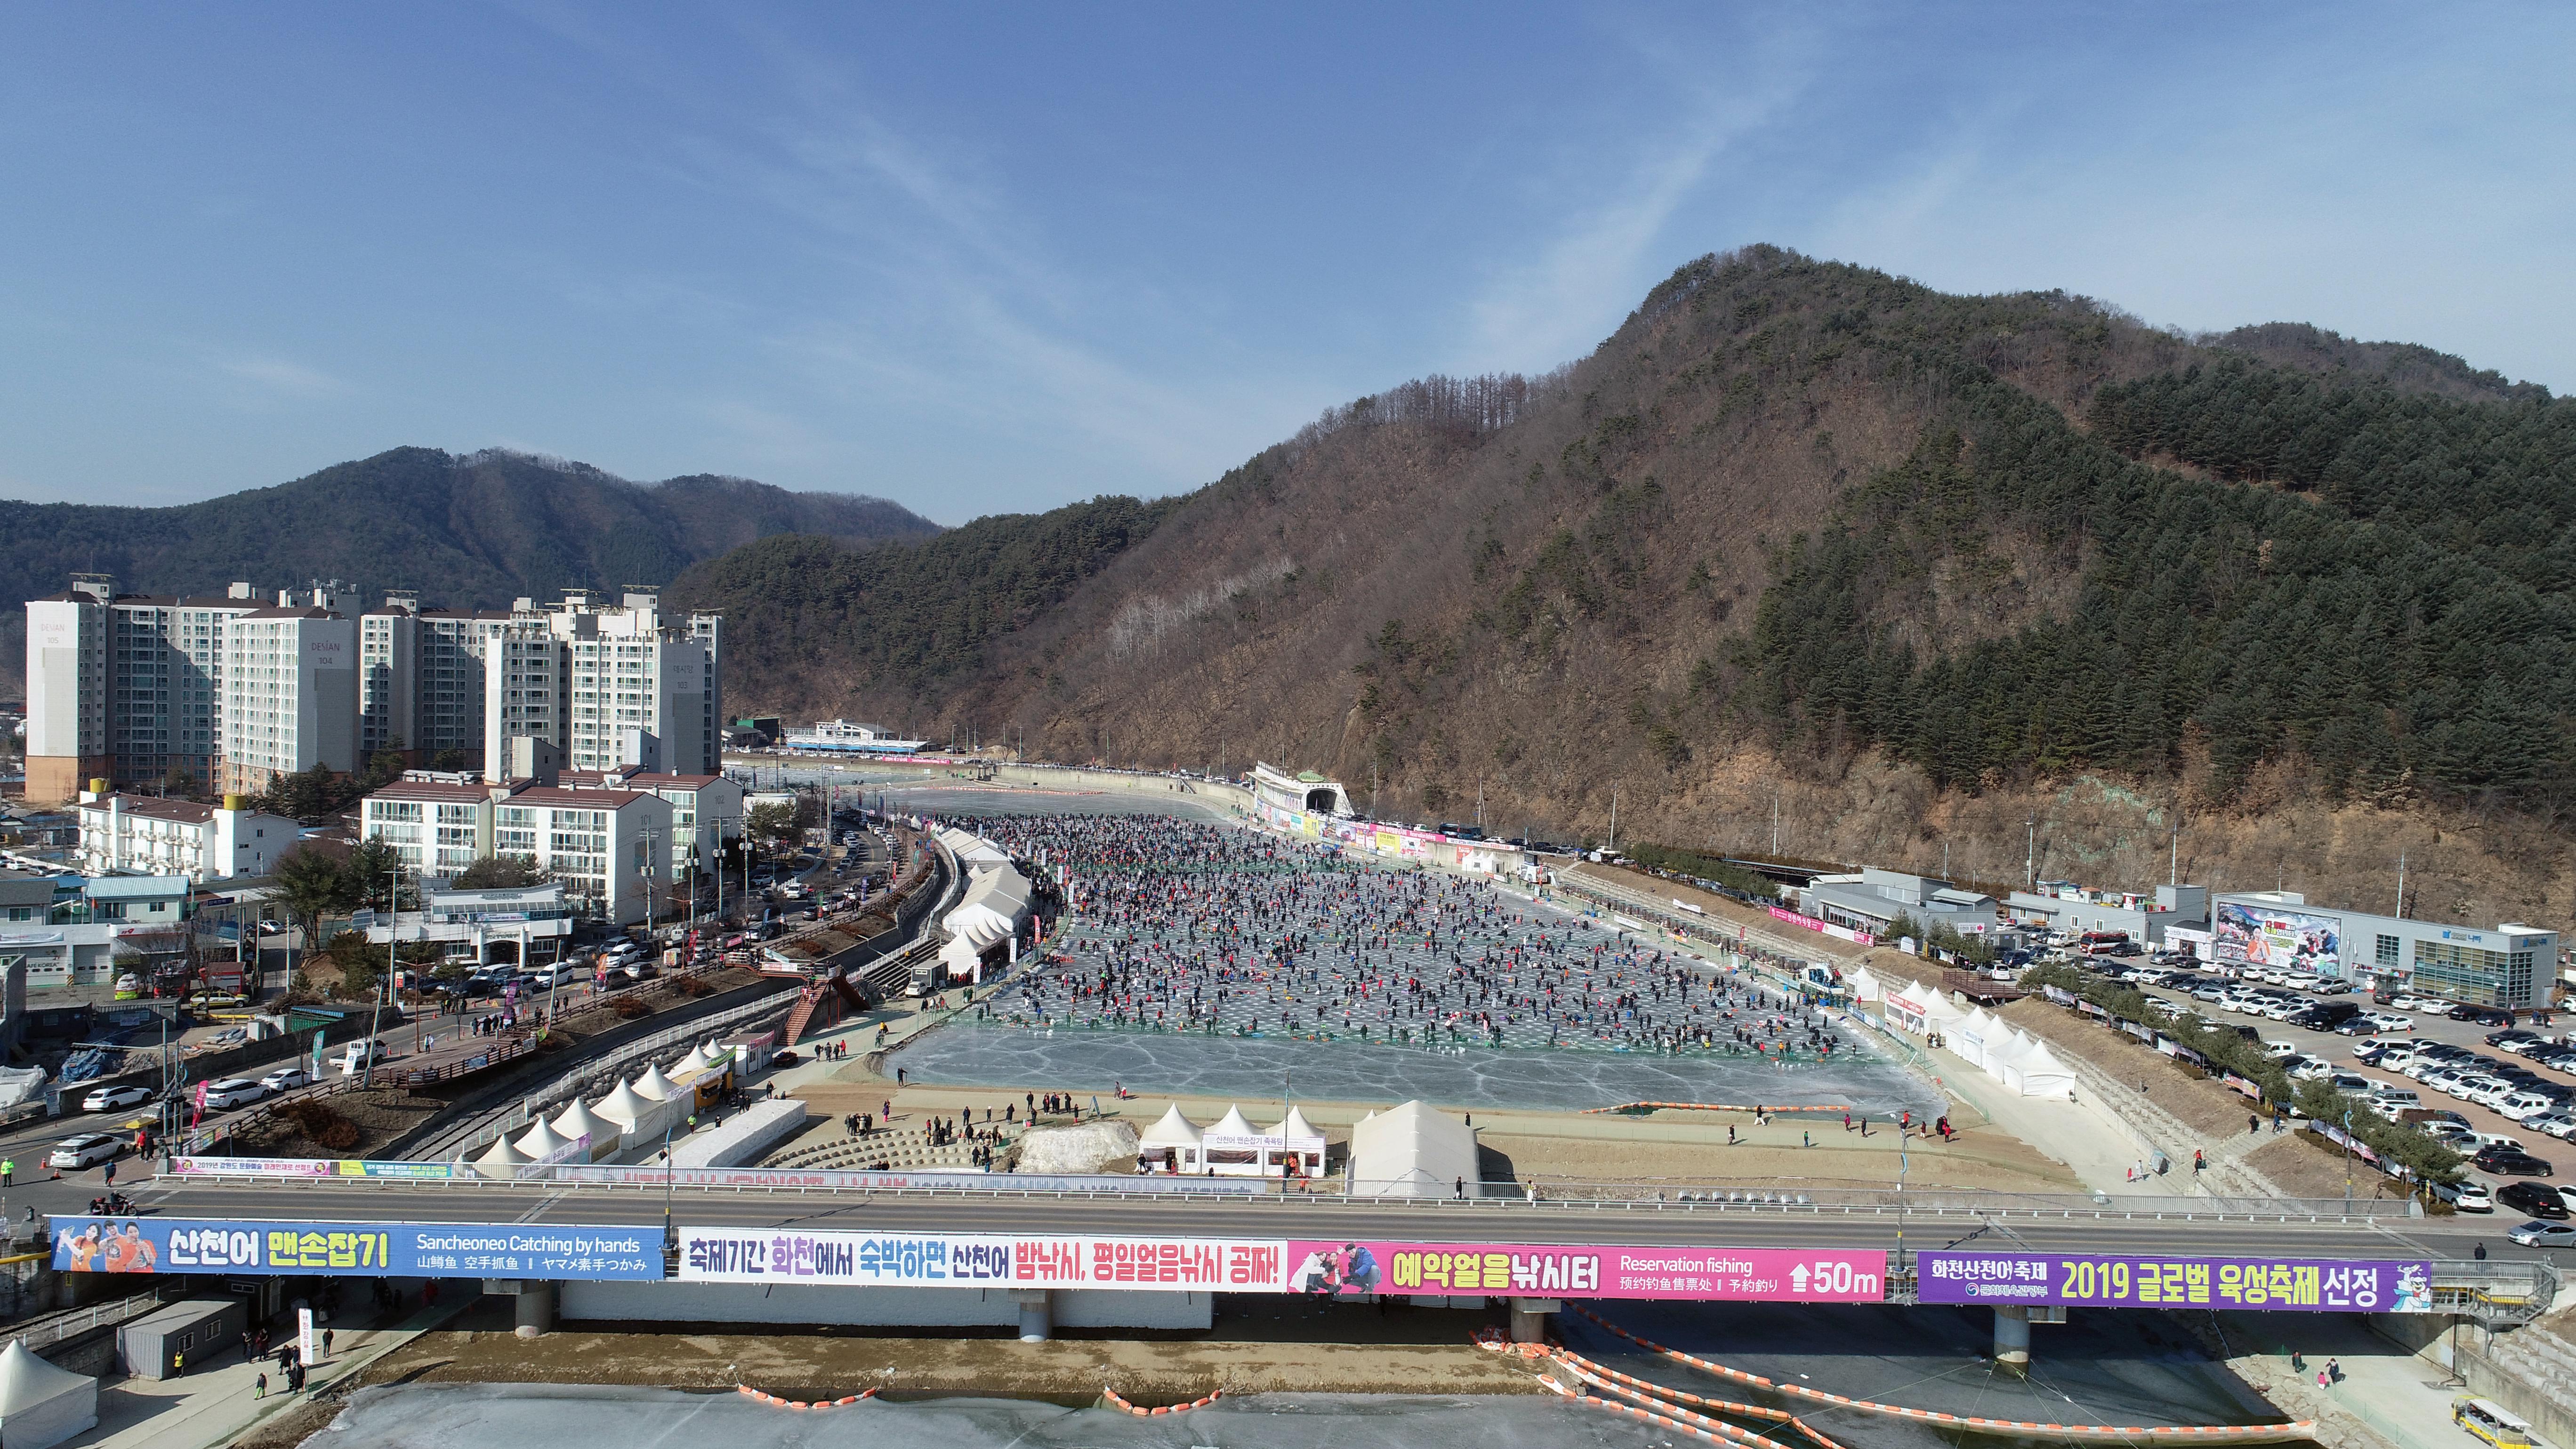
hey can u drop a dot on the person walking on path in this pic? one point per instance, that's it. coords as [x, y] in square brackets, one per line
[259, 1389]
[8, 1171]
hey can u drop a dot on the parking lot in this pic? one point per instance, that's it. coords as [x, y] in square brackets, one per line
[2541, 1128]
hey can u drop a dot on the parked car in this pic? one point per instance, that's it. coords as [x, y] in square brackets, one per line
[2532, 1200]
[233, 1092]
[2558, 1123]
[2473, 1197]
[2539, 1234]
[87, 1150]
[109, 1099]
[2510, 1162]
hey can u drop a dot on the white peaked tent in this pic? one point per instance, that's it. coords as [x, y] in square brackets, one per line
[655, 1087]
[1939, 1012]
[1294, 1126]
[697, 1059]
[1173, 1139]
[41, 1404]
[578, 1121]
[623, 1108]
[2035, 1071]
[540, 1142]
[1973, 1040]
[2008, 1049]
[1865, 985]
[501, 1160]
[1232, 1124]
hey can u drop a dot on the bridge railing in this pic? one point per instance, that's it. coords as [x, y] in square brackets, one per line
[1491, 1197]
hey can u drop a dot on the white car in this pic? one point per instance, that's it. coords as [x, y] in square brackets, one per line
[286, 1079]
[2280, 1051]
[109, 1099]
[87, 1150]
[2475, 1197]
[2559, 1123]
[233, 1092]
[2388, 1021]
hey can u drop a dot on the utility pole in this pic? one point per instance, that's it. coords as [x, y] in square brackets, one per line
[2401, 884]
[1775, 825]
[2030, 853]
[1613, 847]
[393, 962]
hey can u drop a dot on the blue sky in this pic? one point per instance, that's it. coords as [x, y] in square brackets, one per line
[978, 258]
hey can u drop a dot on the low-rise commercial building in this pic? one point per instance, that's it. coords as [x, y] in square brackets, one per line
[1871, 901]
[2509, 965]
[534, 922]
[2142, 916]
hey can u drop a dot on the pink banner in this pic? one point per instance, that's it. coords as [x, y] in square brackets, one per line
[1829, 1275]
[1842, 933]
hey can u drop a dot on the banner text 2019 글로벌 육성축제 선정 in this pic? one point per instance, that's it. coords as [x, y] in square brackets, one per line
[515, 1250]
[2317, 1285]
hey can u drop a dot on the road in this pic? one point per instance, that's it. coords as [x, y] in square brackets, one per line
[378, 1200]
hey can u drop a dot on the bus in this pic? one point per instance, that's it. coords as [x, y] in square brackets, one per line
[2103, 943]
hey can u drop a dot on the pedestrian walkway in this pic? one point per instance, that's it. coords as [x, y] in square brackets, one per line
[2385, 1392]
[210, 1407]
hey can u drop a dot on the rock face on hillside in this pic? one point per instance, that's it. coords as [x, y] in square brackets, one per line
[1085, 1147]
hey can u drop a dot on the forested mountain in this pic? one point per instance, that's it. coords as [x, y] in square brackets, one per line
[470, 532]
[1918, 577]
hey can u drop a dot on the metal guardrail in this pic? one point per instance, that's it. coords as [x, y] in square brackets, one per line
[37, 1333]
[1692, 1202]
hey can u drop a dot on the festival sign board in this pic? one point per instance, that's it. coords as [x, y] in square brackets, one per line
[1590, 1271]
[2307, 1285]
[516, 1250]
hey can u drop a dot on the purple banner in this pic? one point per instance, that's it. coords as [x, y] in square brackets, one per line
[2303, 1285]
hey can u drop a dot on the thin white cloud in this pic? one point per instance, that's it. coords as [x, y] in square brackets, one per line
[282, 379]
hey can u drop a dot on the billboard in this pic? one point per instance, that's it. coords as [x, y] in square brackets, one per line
[518, 1250]
[1274, 1265]
[2278, 938]
[982, 1260]
[2312, 1285]
[1589, 1271]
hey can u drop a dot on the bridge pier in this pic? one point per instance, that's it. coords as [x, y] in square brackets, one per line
[536, 1303]
[1529, 1318]
[2012, 1339]
[1037, 1314]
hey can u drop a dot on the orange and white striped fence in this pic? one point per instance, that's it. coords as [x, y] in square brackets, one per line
[1119, 1402]
[748, 1392]
[2091, 1433]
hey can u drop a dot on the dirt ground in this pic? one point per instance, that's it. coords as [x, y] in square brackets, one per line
[1257, 1346]
[382, 1115]
[2203, 1104]
[2307, 1166]
[1725, 908]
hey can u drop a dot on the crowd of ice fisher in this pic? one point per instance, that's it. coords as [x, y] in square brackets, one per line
[1175, 926]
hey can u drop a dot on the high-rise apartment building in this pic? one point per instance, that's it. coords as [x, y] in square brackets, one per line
[290, 696]
[236, 690]
[421, 678]
[128, 687]
[610, 685]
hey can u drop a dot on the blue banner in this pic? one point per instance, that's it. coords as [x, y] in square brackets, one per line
[2315, 1285]
[402, 1250]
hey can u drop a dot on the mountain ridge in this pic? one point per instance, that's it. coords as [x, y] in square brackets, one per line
[1633, 588]
[468, 531]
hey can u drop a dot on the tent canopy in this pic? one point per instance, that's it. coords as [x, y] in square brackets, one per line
[654, 1086]
[1414, 1150]
[42, 1404]
[1234, 1125]
[1170, 1130]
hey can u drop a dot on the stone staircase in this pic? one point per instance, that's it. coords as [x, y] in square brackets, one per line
[2530, 1370]
[2228, 1175]
[899, 1153]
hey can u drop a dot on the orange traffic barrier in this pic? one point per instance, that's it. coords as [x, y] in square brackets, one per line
[1772, 1108]
[1119, 1401]
[747, 1391]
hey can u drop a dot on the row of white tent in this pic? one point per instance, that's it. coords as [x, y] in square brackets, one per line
[1233, 1147]
[2022, 1062]
[646, 1112]
[994, 907]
